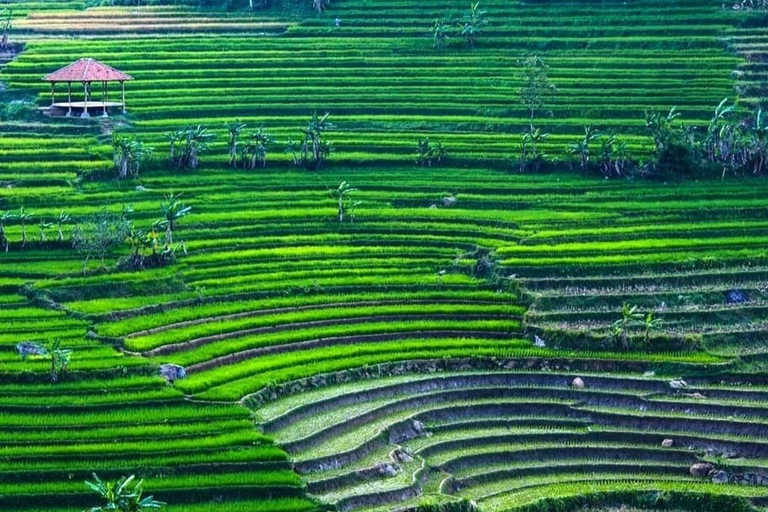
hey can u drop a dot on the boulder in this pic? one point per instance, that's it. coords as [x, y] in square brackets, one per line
[172, 372]
[701, 469]
[387, 469]
[400, 455]
[577, 383]
[719, 477]
[30, 348]
[539, 342]
[668, 443]
[450, 201]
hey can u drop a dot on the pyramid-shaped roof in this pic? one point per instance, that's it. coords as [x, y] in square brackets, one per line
[87, 70]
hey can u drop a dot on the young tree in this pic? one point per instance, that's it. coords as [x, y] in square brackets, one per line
[128, 154]
[255, 150]
[314, 149]
[59, 357]
[121, 496]
[62, 219]
[24, 218]
[440, 29]
[234, 130]
[537, 89]
[99, 234]
[428, 154]
[472, 23]
[346, 205]
[173, 210]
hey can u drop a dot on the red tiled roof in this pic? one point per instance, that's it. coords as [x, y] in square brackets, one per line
[87, 70]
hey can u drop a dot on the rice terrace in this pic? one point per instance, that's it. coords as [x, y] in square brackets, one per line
[368, 255]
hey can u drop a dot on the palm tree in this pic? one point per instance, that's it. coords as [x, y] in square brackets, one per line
[630, 318]
[121, 497]
[24, 217]
[173, 211]
[4, 218]
[440, 30]
[62, 219]
[473, 23]
[234, 129]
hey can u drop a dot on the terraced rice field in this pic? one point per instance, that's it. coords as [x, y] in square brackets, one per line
[365, 365]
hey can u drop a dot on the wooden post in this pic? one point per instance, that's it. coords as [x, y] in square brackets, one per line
[69, 99]
[122, 86]
[85, 101]
[53, 94]
[104, 99]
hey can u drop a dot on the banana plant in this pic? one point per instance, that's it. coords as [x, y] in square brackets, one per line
[24, 218]
[234, 129]
[122, 496]
[62, 219]
[173, 210]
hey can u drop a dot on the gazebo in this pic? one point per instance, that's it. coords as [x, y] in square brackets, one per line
[86, 72]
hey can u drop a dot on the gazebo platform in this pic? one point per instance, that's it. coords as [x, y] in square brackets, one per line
[95, 108]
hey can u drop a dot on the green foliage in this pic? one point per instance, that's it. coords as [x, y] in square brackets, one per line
[254, 152]
[187, 145]
[473, 23]
[128, 155]
[536, 90]
[122, 496]
[430, 154]
[345, 204]
[98, 234]
[59, 357]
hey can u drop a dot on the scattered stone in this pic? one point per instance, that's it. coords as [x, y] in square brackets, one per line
[678, 384]
[450, 201]
[577, 383]
[719, 477]
[701, 469]
[668, 443]
[729, 455]
[539, 342]
[387, 469]
[736, 297]
[172, 372]
[649, 374]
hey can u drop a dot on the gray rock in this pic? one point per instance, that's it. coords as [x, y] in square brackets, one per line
[668, 443]
[678, 384]
[172, 372]
[30, 348]
[387, 469]
[400, 455]
[701, 469]
[450, 201]
[649, 374]
[577, 383]
[539, 342]
[719, 477]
